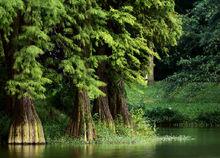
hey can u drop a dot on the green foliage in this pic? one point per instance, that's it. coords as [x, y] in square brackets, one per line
[29, 80]
[83, 77]
[197, 54]
[119, 33]
[2, 74]
[200, 92]
[152, 26]
[24, 30]
[8, 11]
[54, 123]
[180, 138]
[141, 126]
[160, 19]
[79, 35]
[197, 69]
[78, 44]
[141, 132]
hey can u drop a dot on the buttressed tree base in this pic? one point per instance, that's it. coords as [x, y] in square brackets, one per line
[26, 127]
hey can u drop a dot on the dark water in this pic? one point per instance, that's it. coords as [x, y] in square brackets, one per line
[205, 145]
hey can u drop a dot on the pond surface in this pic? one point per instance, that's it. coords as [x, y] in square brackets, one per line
[205, 145]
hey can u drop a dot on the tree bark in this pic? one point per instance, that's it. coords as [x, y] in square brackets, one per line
[26, 127]
[9, 50]
[150, 75]
[101, 104]
[118, 103]
[81, 122]
[101, 107]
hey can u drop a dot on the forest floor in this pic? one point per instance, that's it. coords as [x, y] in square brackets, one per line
[166, 104]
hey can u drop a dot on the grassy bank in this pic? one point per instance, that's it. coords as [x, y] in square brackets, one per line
[165, 104]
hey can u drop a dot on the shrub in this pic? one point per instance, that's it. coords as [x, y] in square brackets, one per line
[209, 119]
[164, 116]
[141, 131]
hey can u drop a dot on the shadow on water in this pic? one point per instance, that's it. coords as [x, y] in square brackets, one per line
[205, 145]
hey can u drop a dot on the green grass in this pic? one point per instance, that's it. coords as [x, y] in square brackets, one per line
[196, 104]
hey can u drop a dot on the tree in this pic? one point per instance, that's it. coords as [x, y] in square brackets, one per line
[197, 54]
[137, 30]
[81, 26]
[24, 28]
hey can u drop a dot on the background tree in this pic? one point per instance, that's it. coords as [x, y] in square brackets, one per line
[197, 54]
[196, 57]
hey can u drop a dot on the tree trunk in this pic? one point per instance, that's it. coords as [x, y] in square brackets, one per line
[118, 103]
[81, 123]
[26, 127]
[9, 105]
[101, 104]
[9, 50]
[150, 75]
[101, 107]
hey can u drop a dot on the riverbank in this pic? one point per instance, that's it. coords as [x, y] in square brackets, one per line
[187, 105]
[55, 122]
[194, 105]
[205, 145]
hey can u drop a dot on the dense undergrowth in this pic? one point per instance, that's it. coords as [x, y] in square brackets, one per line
[55, 122]
[167, 104]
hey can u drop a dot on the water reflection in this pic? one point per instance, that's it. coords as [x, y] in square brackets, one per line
[99, 151]
[205, 145]
[26, 151]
